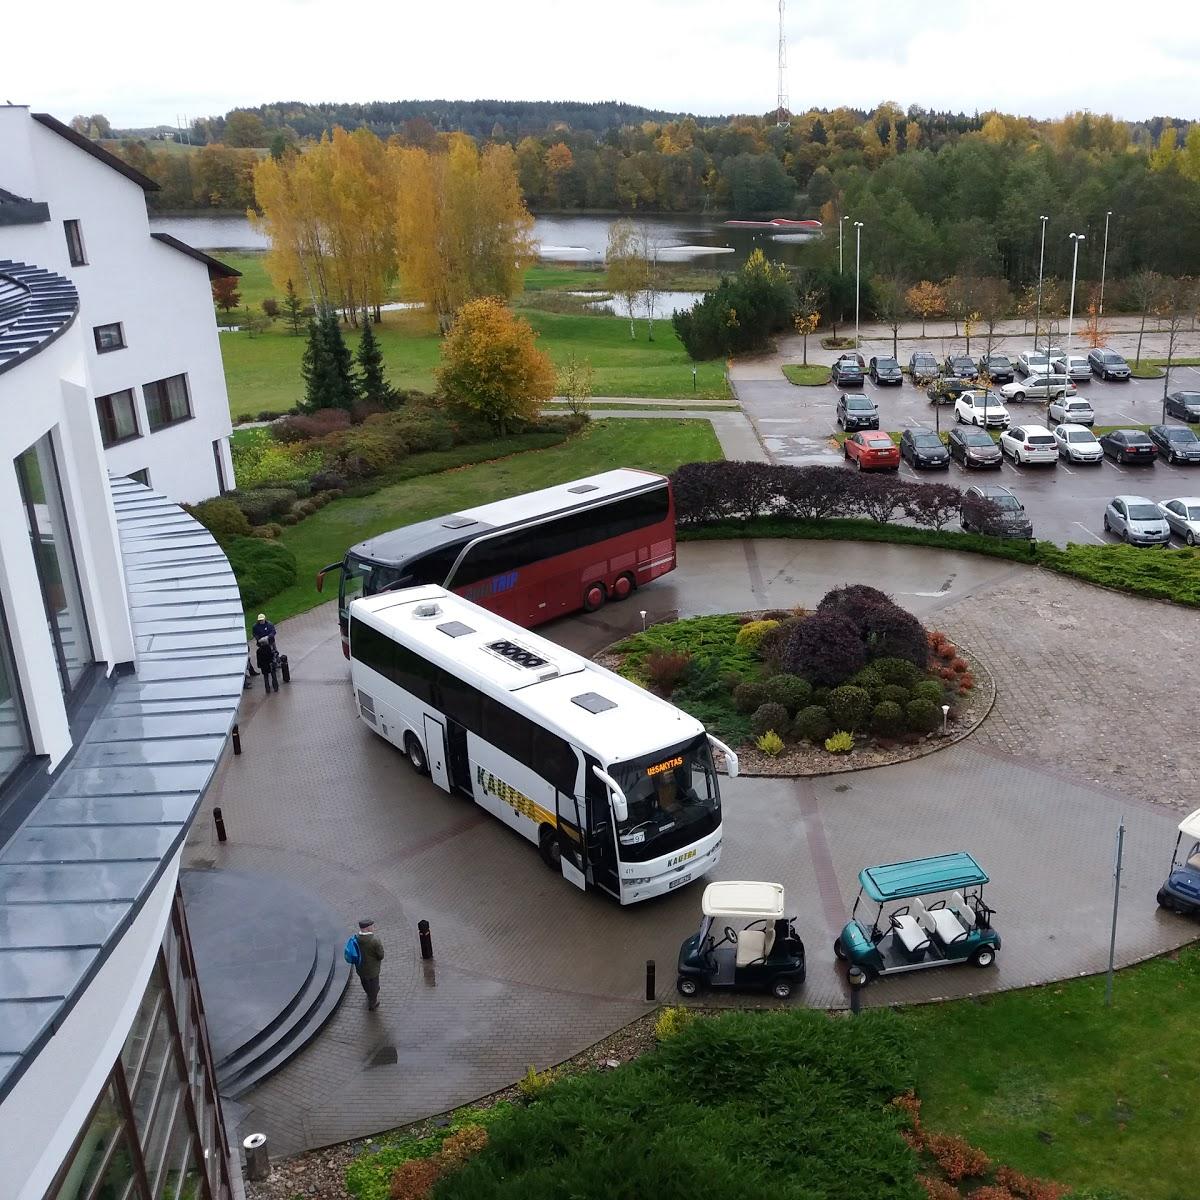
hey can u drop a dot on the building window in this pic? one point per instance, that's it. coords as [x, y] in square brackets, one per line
[118, 417]
[75, 243]
[109, 337]
[167, 402]
[54, 556]
[219, 459]
[14, 729]
[142, 476]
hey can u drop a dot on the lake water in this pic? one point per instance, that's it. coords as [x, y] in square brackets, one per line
[705, 241]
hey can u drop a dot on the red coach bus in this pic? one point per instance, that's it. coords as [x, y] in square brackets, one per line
[530, 558]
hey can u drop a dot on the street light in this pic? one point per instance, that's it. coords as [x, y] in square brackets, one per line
[858, 225]
[1104, 262]
[1037, 320]
[1076, 238]
[841, 226]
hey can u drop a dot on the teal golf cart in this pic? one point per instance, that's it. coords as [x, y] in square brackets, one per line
[929, 913]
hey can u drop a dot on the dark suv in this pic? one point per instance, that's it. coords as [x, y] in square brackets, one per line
[1184, 405]
[947, 389]
[992, 509]
[998, 367]
[960, 365]
[922, 366]
[1108, 364]
[886, 370]
[847, 371]
[857, 412]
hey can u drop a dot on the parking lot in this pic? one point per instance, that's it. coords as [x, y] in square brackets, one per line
[1065, 503]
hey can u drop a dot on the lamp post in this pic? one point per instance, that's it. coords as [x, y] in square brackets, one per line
[1076, 238]
[1037, 320]
[841, 226]
[1104, 262]
[858, 226]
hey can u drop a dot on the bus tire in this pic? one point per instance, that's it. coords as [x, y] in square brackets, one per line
[594, 597]
[550, 848]
[623, 587]
[416, 754]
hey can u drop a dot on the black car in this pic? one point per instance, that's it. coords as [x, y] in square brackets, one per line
[1184, 405]
[945, 389]
[974, 448]
[1108, 364]
[922, 365]
[924, 449]
[992, 509]
[886, 370]
[847, 371]
[961, 365]
[1129, 446]
[1175, 443]
[857, 412]
[997, 367]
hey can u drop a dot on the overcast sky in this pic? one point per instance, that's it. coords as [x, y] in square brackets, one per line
[142, 62]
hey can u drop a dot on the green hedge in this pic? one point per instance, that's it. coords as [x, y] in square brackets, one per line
[262, 568]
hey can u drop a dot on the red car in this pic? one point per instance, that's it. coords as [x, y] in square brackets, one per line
[872, 450]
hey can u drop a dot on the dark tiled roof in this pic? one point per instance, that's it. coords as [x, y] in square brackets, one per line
[96, 151]
[20, 210]
[79, 869]
[216, 268]
[36, 306]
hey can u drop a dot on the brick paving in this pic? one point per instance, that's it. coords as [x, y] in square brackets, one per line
[529, 971]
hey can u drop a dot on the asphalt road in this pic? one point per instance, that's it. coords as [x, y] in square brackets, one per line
[1065, 503]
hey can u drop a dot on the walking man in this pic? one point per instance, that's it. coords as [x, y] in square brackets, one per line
[370, 955]
[265, 654]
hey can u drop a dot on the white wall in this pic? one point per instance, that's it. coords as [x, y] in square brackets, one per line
[43, 1114]
[160, 295]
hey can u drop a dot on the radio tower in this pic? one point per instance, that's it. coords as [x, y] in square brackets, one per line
[782, 116]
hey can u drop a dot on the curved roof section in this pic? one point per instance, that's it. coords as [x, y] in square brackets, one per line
[77, 871]
[36, 306]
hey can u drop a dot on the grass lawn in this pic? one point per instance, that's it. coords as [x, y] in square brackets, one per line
[1145, 371]
[811, 376]
[327, 535]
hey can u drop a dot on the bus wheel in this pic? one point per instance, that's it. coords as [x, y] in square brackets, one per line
[416, 754]
[623, 587]
[551, 849]
[594, 597]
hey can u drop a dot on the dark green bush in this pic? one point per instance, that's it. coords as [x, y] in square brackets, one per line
[221, 517]
[869, 679]
[771, 647]
[923, 716]
[262, 568]
[895, 693]
[929, 689]
[789, 690]
[812, 724]
[769, 716]
[897, 670]
[749, 696]
[849, 706]
[821, 696]
[262, 504]
[887, 718]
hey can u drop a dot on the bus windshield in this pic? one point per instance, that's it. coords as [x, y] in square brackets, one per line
[673, 800]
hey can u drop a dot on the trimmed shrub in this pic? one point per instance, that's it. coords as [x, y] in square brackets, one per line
[959, 666]
[262, 568]
[892, 632]
[789, 690]
[812, 724]
[956, 1157]
[929, 689]
[768, 717]
[855, 602]
[261, 504]
[821, 696]
[306, 426]
[923, 716]
[672, 1020]
[267, 532]
[331, 481]
[896, 694]
[533, 1083]
[868, 678]
[849, 706]
[664, 669]
[770, 743]
[751, 634]
[887, 718]
[749, 696]
[824, 648]
[773, 644]
[841, 742]
[897, 670]
[221, 517]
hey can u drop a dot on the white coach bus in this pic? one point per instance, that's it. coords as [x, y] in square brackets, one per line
[615, 786]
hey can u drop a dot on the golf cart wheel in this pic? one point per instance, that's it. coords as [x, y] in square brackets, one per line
[857, 977]
[1164, 900]
[686, 985]
[983, 957]
[839, 951]
[416, 754]
[781, 989]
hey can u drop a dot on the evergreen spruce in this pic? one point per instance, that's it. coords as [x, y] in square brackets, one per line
[312, 366]
[372, 386]
[326, 366]
[342, 392]
[294, 309]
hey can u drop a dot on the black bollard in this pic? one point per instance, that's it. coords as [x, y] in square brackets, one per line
[650, 979]
[219, 821]
[855, 1000]
[284, 669]
[426, 939]
[237, 740]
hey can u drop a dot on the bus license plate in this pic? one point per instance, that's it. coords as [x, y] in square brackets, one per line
[679, 882]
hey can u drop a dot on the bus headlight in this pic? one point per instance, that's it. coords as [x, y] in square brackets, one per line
[639, 881]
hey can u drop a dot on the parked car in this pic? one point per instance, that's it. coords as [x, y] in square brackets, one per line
[946, 389]
[990, 508]
[924, 449]
[1039, 387]
[1076, 366]
[1175, 443]
[846, 372]
[1108, 364]
[1075, 412]
[922, 366]
[981, 408]
[974, 448]
[1078, 444]
[1184, 405]
[1039, 360]
[872, 451]
[1137, 521]
[1129, 445]
[997, 367]
[857, 412]
[886, 370]
[1183, 516]
[960, 365]
[1029, 444]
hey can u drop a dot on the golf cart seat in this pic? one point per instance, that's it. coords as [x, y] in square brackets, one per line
[1194, 862]
[937, 922]
[912, 937]
[962, 910]
[753, 946]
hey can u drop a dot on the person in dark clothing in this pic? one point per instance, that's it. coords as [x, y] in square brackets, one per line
[370, 956]
[266, 664]
[262, 628]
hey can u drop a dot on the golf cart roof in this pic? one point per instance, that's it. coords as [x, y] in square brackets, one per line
[739, 898]
[1190, 825]
[919, 876]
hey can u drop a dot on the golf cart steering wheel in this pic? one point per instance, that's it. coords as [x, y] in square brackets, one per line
[730, 934]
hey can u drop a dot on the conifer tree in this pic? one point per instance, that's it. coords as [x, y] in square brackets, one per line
[326, 366]
[294, 309]
[372, 385]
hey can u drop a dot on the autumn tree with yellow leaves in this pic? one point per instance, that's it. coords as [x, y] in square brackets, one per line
[926, 299]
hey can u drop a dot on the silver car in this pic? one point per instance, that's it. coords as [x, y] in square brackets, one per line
[1076, 366]
[1077, 444]
[1137, 521]
[1039, 387]
[1072, 412]
[1183, 516]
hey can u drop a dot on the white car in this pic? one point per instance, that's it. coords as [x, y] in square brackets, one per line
[1039, 387]
[1183, 516]
[1076, 366]
[1078, 444]
[1038, 360]
[980, 408]
[1072, 412]
[1029, 444]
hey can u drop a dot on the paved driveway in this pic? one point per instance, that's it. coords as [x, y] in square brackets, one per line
[529, 971]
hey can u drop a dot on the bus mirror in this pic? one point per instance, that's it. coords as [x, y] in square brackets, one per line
[620, 807]
[731, 759]
[337, 566]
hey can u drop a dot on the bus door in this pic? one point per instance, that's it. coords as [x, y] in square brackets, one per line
[435, 751]
[601, 846]
[571, 840]
[460, 762]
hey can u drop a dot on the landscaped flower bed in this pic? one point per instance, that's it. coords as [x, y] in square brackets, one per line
[856, 682]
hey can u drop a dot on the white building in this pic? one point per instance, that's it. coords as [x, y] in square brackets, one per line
[144, 302]
[121, 659]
